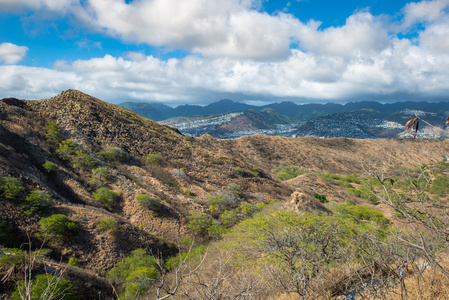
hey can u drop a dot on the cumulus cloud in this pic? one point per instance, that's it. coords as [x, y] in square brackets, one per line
[12, 54]
[237, 51]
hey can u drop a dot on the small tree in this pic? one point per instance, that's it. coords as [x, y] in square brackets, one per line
[57, 228]
[52, 135]
[66, 149]
[152, 159]
[11, 187]
[99, 179]
[107, 224]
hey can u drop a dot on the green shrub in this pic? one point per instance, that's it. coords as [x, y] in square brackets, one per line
[106, 196]
[329, 176]
[322, 198]
[66, 149]
[50, 167]
[107, 224]
[228, 218]
[83, 160]
[57, 228]
[100, 177]
[8, 237]
[36, 202]
[152, 204]
[216, 230]
[351, 178]
[135, 274]
[199, 222]
[223, 201]
[52, 135]
[46, 286]
[248, 209]
[74, 262]
[11, 187]
[114, 154]
[152, 159]
[289, 172]
[187, 192]
[195, 251]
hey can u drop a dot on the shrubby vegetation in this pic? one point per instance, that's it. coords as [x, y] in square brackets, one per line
[289, 172]
[36, 202]
[52, 135]
[11, 187]
[66, 149]
[106, 196]
[50, 167]
[136, 274]
[46, 286]
[83, 160]
[152, 204]
[100, 178]
[114, 154]
[57, 228]
[107, 224]
[152, 159]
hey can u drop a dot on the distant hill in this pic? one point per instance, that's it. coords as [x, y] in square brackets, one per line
[289, 112]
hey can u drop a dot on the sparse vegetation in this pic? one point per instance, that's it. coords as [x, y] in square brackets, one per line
[99, 179]
[322, 198]
[152, 159]
[152, 204]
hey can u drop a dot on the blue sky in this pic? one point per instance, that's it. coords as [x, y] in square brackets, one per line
[201, 51]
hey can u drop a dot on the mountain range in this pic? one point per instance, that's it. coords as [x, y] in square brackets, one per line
[229, 119]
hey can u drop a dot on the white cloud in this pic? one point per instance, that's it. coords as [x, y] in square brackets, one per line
[424, 11]
[53, 5]
[362, 32]
[11, 54]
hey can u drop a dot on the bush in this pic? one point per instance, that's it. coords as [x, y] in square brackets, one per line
[57, 228]
[11, 187]
[46, 286]
[50, 167]
[322, 198]
[106, 196]
[152, 204]
[216, 230]
[66, 149]
[228, 218]
[152, 159]
[289, 172]
[74, 262]
[248, 209]
[114, 154]
[199, 222]
[52, 135]
[107, 224]
[36, 202]
[83, 160]
[223, 201]
[135, 274]
[360, 213]
[100, 177]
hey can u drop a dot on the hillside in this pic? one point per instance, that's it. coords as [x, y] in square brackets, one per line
[183, 174]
